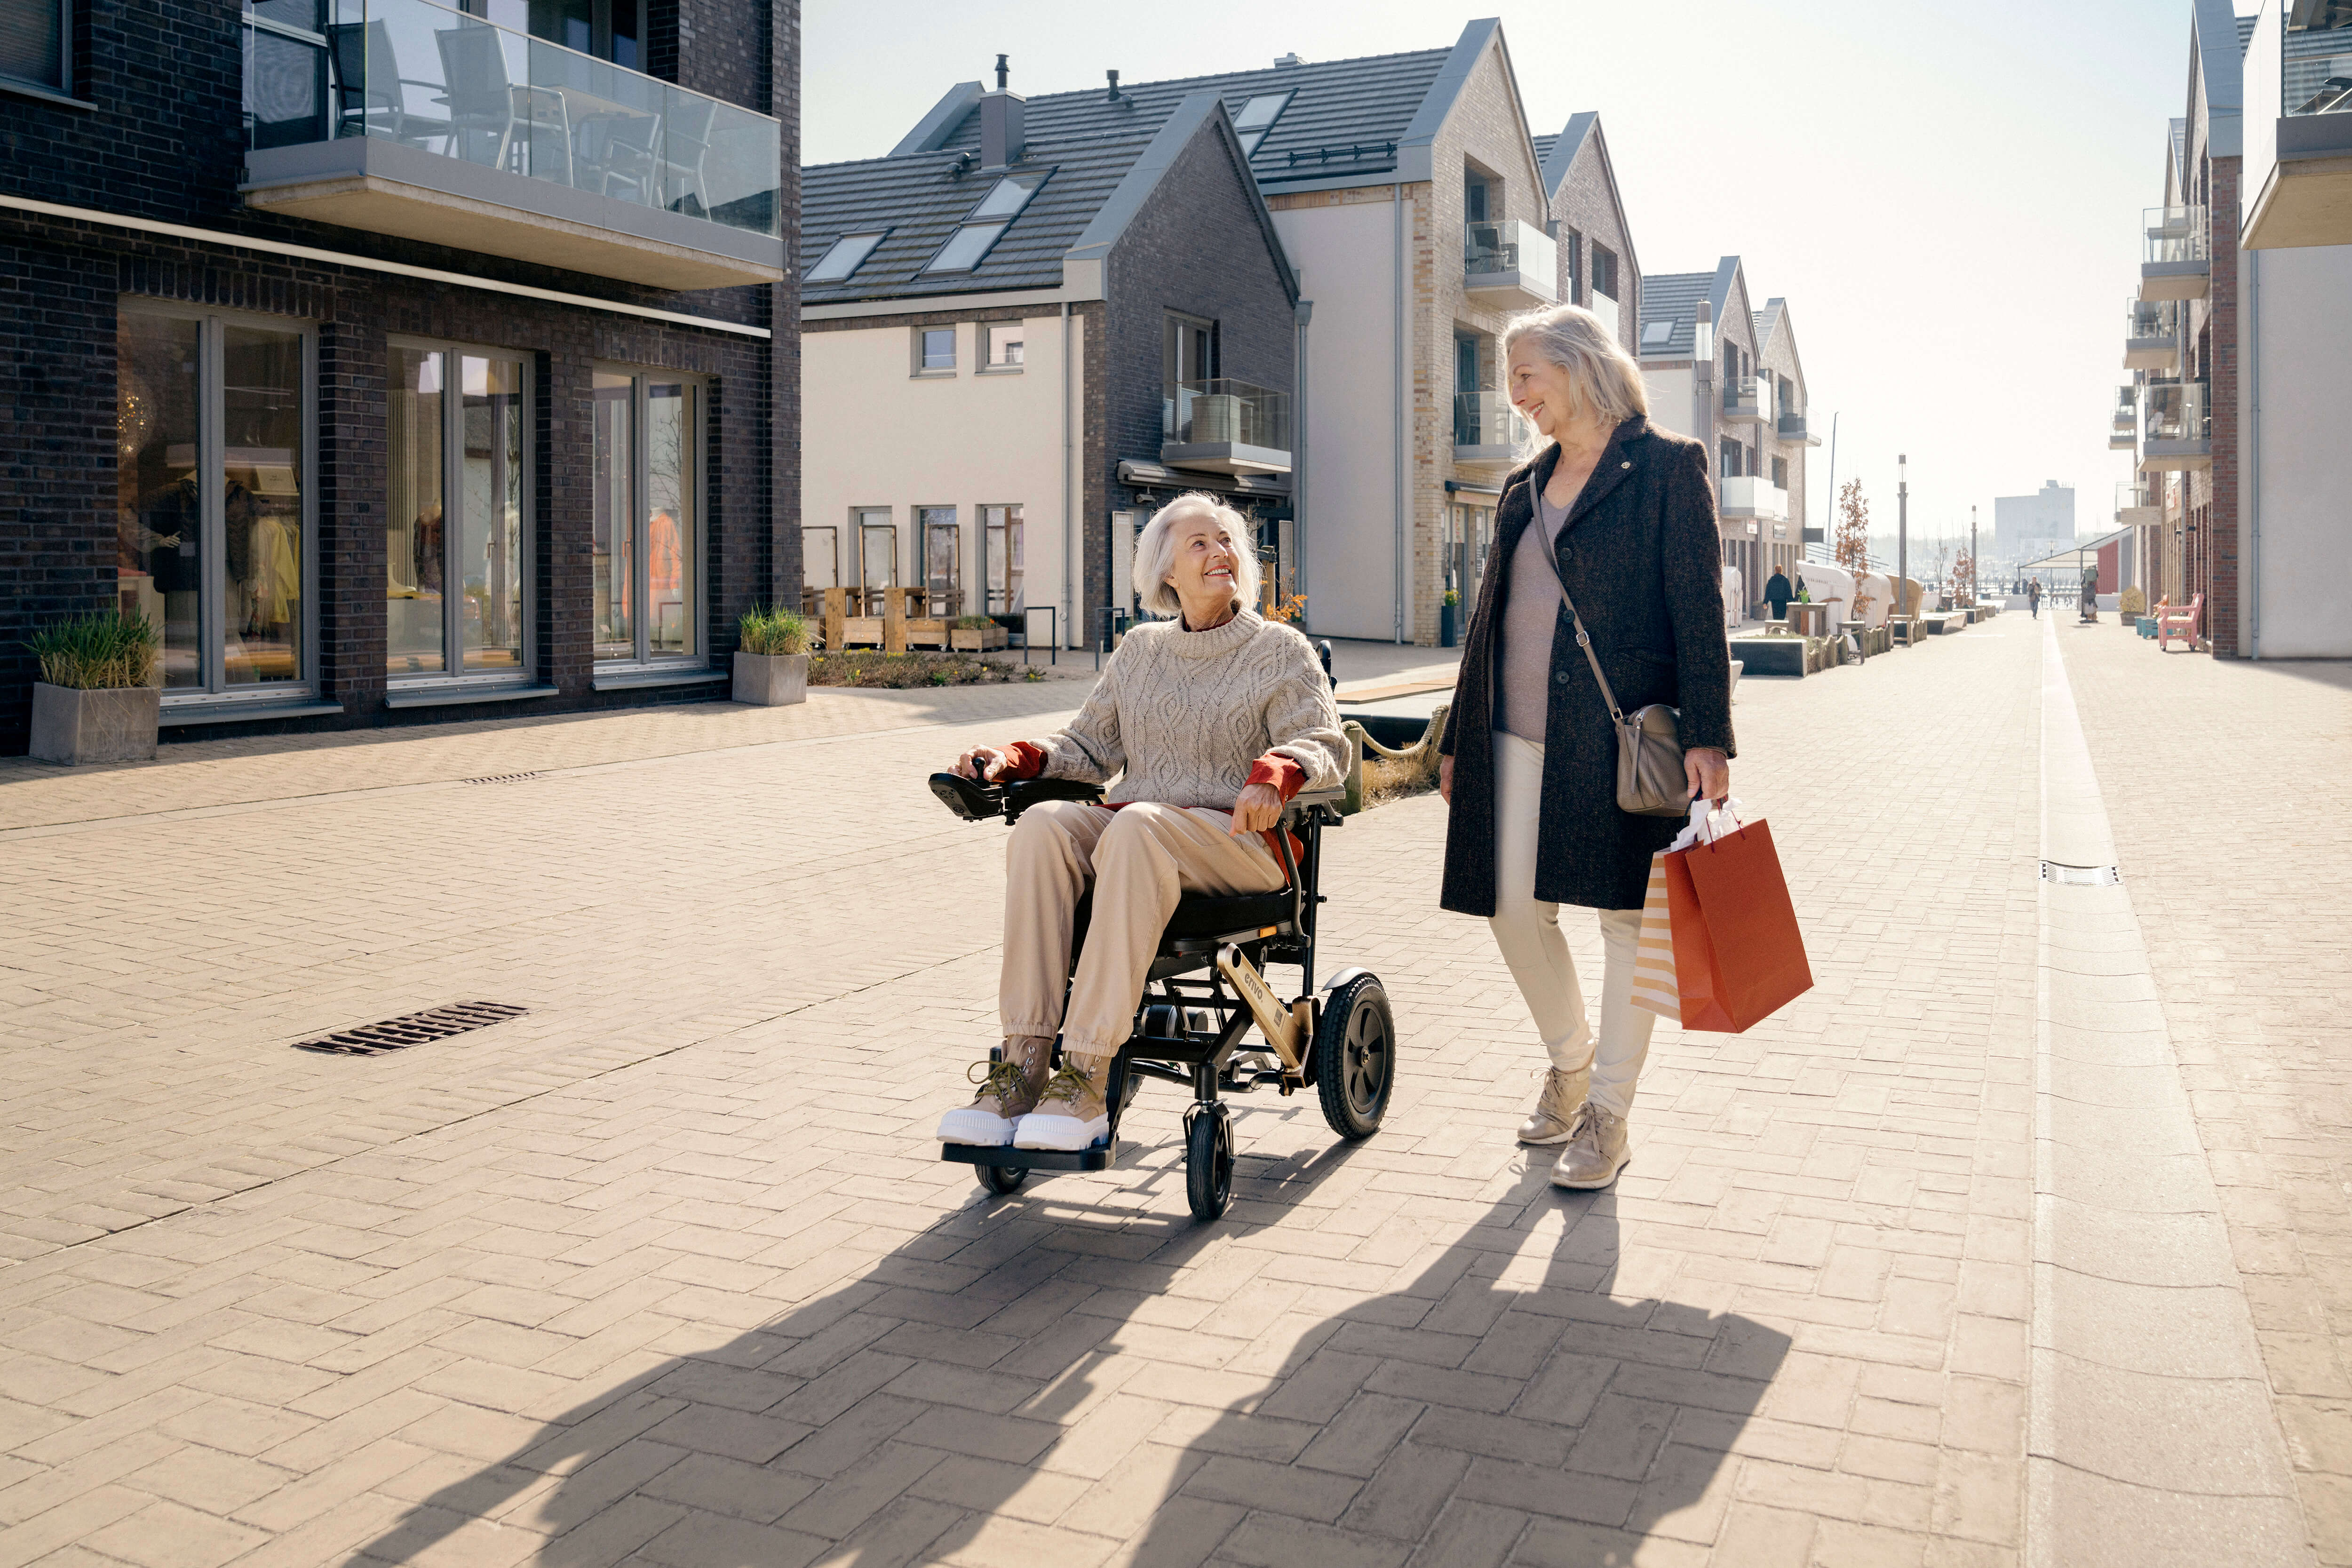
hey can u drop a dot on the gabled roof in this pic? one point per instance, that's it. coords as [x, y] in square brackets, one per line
[1674, 297]
[1094, 188]
[1346, 119]
[1556, 159]
[1774, 318]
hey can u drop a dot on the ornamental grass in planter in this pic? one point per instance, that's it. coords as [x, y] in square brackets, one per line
[771, 657]
[96, 700]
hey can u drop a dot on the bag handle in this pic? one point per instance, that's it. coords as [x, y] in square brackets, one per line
[1583, 638]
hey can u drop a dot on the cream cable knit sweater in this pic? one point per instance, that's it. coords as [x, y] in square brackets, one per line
[1184, 714]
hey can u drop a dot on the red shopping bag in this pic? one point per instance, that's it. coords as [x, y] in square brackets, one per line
[1738, 956]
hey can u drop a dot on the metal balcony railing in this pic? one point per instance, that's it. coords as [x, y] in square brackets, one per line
[440, 81]
[1488, 419]
[2174, 233]
[1224, 412]
[2177, 411]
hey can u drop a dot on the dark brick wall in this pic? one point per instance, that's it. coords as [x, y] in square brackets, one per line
[1197, 247]
[163, 140]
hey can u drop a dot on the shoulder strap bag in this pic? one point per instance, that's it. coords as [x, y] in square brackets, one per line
[1651, 781]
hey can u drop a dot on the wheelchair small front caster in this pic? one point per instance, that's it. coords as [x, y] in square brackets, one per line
[1003, 1180]
[1209, 1161]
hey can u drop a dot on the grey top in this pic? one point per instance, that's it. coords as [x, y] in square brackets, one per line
[1530, 611]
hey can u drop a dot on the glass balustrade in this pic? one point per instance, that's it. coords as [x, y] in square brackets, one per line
[2174, 233]
[2316, 66]
[2177, 411]
[1224, 412]
[2132, 495]
[1488, 419]
[2147, 319]
[432, 78]
[2126, 416]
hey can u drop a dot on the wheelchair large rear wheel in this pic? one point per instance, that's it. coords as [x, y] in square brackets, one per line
[1209, 1161]
[1355, 1057]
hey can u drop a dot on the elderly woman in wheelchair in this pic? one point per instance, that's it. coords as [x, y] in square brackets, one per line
[1212, 721]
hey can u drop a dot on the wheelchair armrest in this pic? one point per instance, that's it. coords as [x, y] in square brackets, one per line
[1023, 793]
[1309, 804]
[967, 798]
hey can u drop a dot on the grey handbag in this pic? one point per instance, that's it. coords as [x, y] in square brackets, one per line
[1651, 781]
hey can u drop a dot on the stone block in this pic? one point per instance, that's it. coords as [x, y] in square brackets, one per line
[70, 725]
[1773, 656]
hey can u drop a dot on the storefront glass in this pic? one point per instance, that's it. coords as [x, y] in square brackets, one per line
[489, 557]
[669, 516]
[159, 526]
[413, 515]
[261, 599]
[648, 472]
[1000, 531]
[614, 504]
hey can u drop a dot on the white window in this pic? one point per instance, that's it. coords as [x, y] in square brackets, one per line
[1004, 341]
[935, 351]
[847, 253]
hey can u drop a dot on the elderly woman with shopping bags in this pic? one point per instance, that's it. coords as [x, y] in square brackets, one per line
[1606, 559]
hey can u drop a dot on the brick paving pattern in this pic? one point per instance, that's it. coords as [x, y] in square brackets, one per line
[2219, 777]
[665, 1271]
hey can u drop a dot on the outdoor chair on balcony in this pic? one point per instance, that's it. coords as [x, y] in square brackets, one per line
[371, 95]
[2189, 625]
[618, 156]
[2334, 97]
[493, 120]
[684, 149]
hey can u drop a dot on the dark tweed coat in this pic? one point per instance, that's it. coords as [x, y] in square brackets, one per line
[1640, 555]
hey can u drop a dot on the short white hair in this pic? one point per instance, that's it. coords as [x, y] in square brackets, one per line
[1603, 376]
[1155, 553]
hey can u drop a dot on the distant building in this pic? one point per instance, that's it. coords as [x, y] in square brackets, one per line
[2027, 527]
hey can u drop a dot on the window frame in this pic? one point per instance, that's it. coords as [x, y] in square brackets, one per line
[212, 461]
[695, 546]
[917, 368]
[453, 671]
[989, 364]
[63, 92]
[1574, 242]
[926, 524]
[1604, 264]
[999, 519]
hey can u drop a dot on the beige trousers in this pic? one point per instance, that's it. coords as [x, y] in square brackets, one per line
[1528, 932]
[1139, 859]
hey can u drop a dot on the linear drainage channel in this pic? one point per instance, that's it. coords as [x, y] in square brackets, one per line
[2081, 875]
[416, 1029]
[506, 778]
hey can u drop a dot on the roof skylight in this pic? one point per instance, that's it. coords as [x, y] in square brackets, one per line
[1005, 199]
[1258, 117]
[963, 250]
[848, 253]
[1657, 331]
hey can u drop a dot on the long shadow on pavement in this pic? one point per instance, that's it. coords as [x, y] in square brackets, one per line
[1508, 1399]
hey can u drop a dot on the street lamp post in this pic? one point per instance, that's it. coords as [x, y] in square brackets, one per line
[1902, 530]
[1973, 571]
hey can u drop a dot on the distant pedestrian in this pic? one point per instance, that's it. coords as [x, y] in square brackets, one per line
[1777, 594]
[2033, 597]
[1619, 515]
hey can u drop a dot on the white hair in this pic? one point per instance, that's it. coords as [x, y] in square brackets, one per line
[1601, 375]
[1155, 553]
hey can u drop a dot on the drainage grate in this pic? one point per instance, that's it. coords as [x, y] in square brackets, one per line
[2081, 875]
[507, 778]
[394, 1033]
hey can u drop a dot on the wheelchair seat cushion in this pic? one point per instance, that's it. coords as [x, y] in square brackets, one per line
[1198, 915]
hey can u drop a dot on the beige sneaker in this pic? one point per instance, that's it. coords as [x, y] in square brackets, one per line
[1596, 1150]
[1071, 1115]
[1554, 1118]
[1008, 1090]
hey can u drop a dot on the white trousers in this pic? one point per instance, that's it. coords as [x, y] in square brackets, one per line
[1527, 932]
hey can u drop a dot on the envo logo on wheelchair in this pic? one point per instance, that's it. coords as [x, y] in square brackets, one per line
[1205, 987]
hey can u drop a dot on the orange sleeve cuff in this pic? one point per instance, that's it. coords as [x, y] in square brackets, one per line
[1286, 776]
[1023, 760]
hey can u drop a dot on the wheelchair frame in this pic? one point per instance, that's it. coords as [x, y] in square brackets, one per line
[1193, 1013]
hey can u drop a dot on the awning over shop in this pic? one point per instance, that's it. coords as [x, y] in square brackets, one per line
[1137, 474]
[2082, 558]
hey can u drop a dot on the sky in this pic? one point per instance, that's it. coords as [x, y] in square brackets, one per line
[1948, 196]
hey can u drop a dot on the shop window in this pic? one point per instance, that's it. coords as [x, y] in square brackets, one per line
[213, 503]
[645, 520]
[36, 43]
[454, 516]
[1000, 543]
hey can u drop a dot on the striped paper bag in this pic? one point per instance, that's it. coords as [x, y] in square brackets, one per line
[1653, 963]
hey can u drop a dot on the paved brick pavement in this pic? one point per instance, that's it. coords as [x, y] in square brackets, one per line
[2219, 778]
[665, 1271]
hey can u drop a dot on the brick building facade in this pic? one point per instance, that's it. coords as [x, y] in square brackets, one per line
[150, 271]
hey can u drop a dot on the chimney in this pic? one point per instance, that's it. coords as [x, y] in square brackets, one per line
[1703, 343]
[1286, 60]
[1001, 138]
[1114, 85]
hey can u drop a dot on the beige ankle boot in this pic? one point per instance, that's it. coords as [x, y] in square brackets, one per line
[1008, 1090]
[1073, 1113]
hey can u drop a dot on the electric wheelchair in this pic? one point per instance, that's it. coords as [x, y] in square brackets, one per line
[1205, 987]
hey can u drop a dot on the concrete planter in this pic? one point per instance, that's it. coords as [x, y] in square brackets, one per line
[771, 679]
[976, 640]
[111, 726]
[1773, 656]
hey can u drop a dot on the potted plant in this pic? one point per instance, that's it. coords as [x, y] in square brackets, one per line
[771, 658]
[2130, 605]
[974, 633]
[1449, 609]
[96, 700]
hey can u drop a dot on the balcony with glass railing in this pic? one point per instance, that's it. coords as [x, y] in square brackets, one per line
[2152, 335]
[2177, 426]
[414, 119]
[1224, 427]
[1752, 495]
[1488, 433]
[2123, 433]
[2297, 158]
[1747, 400]
[2175, 253]
[1511, 264]
[2139, 503]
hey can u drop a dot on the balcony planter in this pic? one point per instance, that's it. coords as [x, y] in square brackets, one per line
[106, 725]
[977, 640]
[771, 679]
